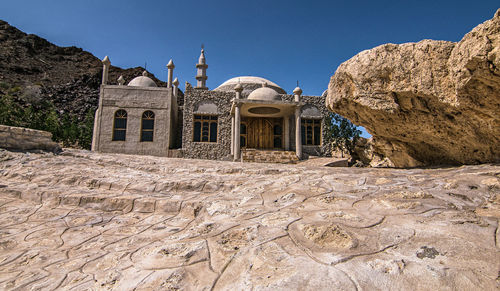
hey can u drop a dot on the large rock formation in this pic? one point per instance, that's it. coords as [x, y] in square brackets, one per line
[426, 103]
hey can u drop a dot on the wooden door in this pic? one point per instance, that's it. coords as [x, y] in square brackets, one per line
[261, 133]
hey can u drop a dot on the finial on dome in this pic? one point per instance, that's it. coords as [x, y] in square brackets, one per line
[264, 84]
[170, 64]
[238, 88]
[201, 60]
[145, 73]
[121, 80]
[176, 82]
[106, 61]
[297, 91]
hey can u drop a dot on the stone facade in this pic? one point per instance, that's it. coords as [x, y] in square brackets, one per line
[135, 101]
[177, 133]
[214, 151]
[324, 149]
[19, 138]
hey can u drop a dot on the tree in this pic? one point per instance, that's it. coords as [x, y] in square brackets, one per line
[342, 133]
[87, 128]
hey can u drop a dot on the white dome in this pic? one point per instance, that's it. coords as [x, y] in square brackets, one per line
[264, 93]
[249, 84]
[142, 81]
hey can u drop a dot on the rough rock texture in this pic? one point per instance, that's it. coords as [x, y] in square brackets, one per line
[19, 138]
[88, 221]
[426, 103]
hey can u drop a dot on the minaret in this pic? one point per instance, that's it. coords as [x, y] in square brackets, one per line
[170, 67]
[201, 75]
[105, 69]
[176, 86]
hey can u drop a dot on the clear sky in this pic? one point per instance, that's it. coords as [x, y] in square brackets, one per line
[280, 40]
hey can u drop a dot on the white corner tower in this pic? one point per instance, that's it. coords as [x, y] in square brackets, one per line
[201, 75]
[106, 63]
[170, 67]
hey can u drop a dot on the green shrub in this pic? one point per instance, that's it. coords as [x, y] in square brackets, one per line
[65, 127]
[343, 133]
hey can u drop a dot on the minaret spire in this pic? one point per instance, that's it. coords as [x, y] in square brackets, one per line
[201, 75]
[170, 67]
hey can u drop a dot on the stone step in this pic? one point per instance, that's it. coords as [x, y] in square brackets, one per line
[269, 156]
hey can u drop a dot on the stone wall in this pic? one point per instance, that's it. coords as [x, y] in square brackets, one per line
[135, 101]
[19, 138]
[324, 149]
[203, 150]
[222, 149]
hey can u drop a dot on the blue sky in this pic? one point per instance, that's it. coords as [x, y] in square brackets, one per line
[283, 41]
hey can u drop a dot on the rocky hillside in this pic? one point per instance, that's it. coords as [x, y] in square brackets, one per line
[426, 103]
[68, 77]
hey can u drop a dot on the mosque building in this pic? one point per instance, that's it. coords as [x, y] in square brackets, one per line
[244, 119]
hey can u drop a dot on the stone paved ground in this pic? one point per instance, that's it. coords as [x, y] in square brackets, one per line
[88, 221]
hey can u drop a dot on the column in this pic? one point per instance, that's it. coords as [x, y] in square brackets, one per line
[298, 135]
[286, 133]
[232, 135]
[237, 125]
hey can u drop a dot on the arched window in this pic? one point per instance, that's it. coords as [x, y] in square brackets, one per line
[120, 125]
[147, 125]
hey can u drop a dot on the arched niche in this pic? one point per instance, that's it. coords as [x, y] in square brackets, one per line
[311, 111]
[205, 107]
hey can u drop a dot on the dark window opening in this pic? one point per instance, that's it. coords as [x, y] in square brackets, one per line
[119, 125]
[311, 131]
[147, 126]
[205, 128]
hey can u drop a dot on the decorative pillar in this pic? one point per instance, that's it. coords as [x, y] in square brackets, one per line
[297, 92]
[286, 132]
[106, 63]
[237, 123]
[201, 75]
[298, 135]
[176, 86]
[232, 135]
[170, 67]
[121, 80]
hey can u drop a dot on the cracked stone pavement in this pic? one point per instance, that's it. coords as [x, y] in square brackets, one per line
[88, 221]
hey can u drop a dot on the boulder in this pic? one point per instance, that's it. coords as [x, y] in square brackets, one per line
[426, 103]
[26, 139]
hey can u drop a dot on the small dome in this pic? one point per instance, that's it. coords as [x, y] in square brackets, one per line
[249, 84]
[142, 81]
[264, 93]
